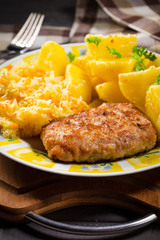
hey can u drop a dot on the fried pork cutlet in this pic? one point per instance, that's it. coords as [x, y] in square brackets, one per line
[111, 131]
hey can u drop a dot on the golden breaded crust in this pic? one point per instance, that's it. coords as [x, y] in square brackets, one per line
[111, 131]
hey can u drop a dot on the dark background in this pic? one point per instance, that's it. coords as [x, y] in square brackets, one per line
[57, 12]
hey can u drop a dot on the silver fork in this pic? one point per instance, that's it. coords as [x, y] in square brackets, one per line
[25, 38]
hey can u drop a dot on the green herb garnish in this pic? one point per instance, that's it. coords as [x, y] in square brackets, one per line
[158, 79]
[140, 54]
[113, 51]
[71, 56]
[95, 40]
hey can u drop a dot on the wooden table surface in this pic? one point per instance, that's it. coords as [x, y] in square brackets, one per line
[62, 14]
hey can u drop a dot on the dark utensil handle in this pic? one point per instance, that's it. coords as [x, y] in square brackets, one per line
[92, 230]
[7, 53]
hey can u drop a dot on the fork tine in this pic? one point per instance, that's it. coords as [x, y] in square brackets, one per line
[35, 34]
[34, 31]
[27, 30]
[18, 35]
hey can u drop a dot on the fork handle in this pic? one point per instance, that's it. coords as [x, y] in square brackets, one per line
[6, 54]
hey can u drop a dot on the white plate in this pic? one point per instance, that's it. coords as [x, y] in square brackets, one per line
[33, 154]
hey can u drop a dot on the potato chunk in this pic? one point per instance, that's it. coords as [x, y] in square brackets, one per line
[100, 71]
[53, 58]
[134, 85]
[78, 83]
[81, 61]
[108, 70]
[153, 106]
[110, 92]
[122, 43]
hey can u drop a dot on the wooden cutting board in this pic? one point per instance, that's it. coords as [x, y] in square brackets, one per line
[24, 189]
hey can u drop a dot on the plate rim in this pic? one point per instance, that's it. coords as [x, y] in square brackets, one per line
[79, 174]
[36, 51]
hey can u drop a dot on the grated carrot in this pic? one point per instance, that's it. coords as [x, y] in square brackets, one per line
[30, 98]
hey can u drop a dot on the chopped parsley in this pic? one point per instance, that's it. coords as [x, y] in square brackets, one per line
[158, 79]
[114, 52]
[71, 56]
[140, 54]
[95, 40]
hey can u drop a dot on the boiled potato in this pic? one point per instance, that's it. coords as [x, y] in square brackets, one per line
[81, 61]
[152, 105]
[78, 83]
[110, 92]
[122, 43]
[53, 58]
[149, 63]
[134, 85]
[101, 71]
